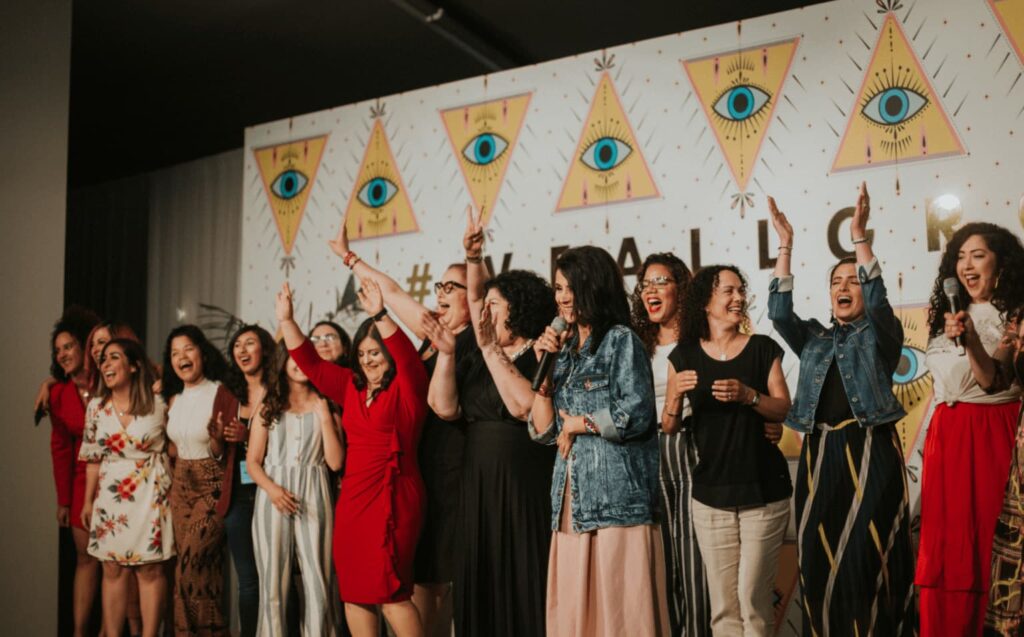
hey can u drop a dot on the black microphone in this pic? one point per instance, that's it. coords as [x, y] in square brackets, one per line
[951, 288]
[547, 359]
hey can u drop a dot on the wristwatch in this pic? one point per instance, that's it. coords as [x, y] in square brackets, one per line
[756, 400]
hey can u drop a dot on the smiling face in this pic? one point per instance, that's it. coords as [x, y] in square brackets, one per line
[499, 309]
[187, 360]
[453, 307]
[728, 301]
[248, 353]
[327, 342]
[660, 294]
[845, 293]
[564, 298]
[67, 351]
[977, 269]
[116, 369]
[99, 339]
[372, 361]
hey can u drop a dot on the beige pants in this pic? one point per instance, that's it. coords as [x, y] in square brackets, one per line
[740, 548]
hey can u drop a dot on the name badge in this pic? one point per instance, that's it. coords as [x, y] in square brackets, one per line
[246, 478]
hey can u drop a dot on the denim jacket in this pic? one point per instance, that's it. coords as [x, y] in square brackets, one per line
[614, 476]
[866, 352]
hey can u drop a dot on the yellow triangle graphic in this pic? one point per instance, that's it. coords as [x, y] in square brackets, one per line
[483, 136]
[897, 115]
[738, 92]
[912, 381]
[379, 205]
[608, 165]
[288, 172]
[1010, 14]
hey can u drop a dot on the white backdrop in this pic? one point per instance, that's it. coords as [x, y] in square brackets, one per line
[694, 185]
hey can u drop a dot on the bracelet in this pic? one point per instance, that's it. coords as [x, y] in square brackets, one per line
[477, 259]
[789, 247]
[590, 425]
[861, 240]
[380, 315]
[671, 415]
[350, 259]
[544, 390]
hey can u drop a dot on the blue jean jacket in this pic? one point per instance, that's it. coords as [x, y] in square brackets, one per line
[614, 476]
[866, 352]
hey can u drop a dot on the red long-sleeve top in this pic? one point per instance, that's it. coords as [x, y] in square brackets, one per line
[67, 415]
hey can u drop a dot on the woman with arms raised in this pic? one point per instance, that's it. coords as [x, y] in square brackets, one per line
[380, 507]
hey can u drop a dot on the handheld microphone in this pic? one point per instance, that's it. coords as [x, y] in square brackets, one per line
[951, 288]
[547, 359]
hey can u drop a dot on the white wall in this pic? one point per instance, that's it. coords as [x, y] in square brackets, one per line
[35, 60]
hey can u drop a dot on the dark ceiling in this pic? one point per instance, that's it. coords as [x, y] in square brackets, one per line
[164, 81]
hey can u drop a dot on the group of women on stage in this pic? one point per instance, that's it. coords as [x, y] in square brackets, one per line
[638, 490]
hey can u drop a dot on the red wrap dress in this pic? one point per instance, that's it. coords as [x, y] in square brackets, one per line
[67, 415]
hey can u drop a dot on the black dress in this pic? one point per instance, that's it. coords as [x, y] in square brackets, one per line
[506, 518]
[440, 458]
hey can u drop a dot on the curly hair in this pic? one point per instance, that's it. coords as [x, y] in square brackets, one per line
[702, 287]
[343, 338]
[77, 321]
[531, 303]
[642, 325]
[214, 366]
[277, 400]
[141, 398]
[367, 329]
[234, 379]
[1008, 293]
[599, 295]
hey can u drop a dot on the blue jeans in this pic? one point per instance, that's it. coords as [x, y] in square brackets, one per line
[238, 527]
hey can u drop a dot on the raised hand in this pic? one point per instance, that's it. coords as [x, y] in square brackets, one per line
[440, 336]
[339, 245]
[283, 305]
[783, 228]
[859, 223]
[549, 341]
[371, 297]
[473, 239]
[485, 333]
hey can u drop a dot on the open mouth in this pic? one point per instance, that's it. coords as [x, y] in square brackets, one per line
[442, 307]
[736, 309]
[844, 301]
[971, 280]
[653, 304]
[185, 366]
[244, 360]
[108, 375]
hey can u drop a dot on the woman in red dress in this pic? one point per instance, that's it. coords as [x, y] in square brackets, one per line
[381, 505]
[68, 396]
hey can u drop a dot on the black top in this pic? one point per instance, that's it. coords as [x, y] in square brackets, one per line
[478, 394]
[737, 466]
[465, 342]
[833, 404]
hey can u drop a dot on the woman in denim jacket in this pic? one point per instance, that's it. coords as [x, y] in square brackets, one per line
[853, 526]
[606, 564]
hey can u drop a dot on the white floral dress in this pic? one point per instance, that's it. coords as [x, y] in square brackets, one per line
[131, 517]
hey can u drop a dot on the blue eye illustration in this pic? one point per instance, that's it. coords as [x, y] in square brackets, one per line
[911, 366]
[289, 184]
[741, 102]
[605, 153]
[485, 148]
[377, 192]
[893, 105]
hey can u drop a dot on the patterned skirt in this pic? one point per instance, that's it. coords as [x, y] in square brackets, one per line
[1005, 613]
[689, 603]
[853, 532]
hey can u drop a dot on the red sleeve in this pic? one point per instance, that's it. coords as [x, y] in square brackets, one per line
[410, 373]
[332, 380]
[62, 448]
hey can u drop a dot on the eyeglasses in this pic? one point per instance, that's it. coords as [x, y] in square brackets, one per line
[657, 282]
[447, 286]
[324, 338]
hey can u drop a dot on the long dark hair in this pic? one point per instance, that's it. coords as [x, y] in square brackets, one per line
[77, 321]
[141, 398]
[116, 330]
[642, 325]
[343, 338]
[599, 295]
[278, 399]
[368, 330]
[234, 379]
[214, 366]
[1009, 290]
[705, 282]
[531, 304]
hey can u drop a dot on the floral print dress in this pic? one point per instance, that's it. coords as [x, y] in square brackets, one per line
[131, 518]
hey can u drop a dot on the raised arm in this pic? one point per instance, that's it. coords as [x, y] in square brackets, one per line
[443, 395]
[332, 380]
[780, 298]
[408, 311]
[515, 389]
[476, 269]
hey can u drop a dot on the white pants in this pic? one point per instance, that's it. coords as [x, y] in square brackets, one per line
[740, 548]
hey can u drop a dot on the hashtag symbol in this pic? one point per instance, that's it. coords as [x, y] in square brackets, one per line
[419, 284]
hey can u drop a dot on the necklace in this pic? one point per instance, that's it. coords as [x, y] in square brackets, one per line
[525, 348]
[723, 353]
